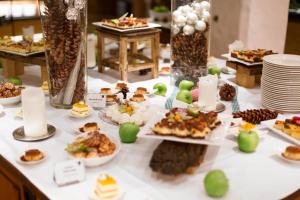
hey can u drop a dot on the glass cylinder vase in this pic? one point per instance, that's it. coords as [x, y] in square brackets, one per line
[64, 25]
[189, 39]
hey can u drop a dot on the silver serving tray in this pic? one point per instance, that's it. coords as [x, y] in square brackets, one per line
[20, 135]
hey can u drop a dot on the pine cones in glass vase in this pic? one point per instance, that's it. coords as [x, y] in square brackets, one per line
[227, 92]
[66, 54]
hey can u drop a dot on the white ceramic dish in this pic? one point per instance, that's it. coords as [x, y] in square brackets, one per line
[18, 159]
[215, 138]
[283, 59]
[270, 123]
[1, 109]
[297, 162]
[97, 161]
[93, 196]
[150, 26]
[228, 56]
[10, 100]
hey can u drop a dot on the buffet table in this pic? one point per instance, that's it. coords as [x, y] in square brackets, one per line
[260, 175]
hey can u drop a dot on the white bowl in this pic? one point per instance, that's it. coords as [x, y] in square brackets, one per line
[10, 100]
[97, 161]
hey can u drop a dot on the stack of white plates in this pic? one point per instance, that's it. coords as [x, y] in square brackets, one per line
[281, 82]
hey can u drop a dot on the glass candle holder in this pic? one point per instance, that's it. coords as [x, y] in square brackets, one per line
[64, 27]
[34, 112]
[189, 39]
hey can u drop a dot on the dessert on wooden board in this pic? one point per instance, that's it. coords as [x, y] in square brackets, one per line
[251, 56]
[125, 22]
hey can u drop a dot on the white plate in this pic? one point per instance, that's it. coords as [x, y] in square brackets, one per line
[97, 161]
[18, 159]
[214, 138]
[93, 196]
[289, 160]
[270, 123]
[283, 60]
[150, 26]
[228, 56]
[10, 100]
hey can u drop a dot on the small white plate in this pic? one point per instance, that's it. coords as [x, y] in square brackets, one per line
[10, 100]
[288, 160]
[93, 196]
[18, 159]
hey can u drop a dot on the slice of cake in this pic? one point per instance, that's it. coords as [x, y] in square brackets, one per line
[107, 188]
[80, 109]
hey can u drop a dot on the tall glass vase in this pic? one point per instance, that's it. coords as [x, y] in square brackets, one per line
[64, 27]
[189, 39]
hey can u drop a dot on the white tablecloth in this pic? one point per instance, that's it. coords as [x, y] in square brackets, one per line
[260, 175]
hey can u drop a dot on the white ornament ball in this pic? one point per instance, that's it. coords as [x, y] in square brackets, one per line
[180, 21]
[205, 16]
[197, 8]
[187, 9]
[200, 25]
[176, 13]
[180, 9]
[188, 30]
[192, 18]
[205, 5]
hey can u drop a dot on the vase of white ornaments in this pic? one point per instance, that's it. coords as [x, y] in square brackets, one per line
[64, 27]
[190, 39]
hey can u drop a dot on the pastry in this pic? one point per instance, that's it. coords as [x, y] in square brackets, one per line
[289, 126]
[292, 153]
[141, 90]
[105, 91]
[179, 122]
[174, 158]
[121, 86]
[94, 144]
[106, 188]
[45, 87]
[80, 109]
[125, 22]
[8, 90]
[89, 127]
[137, 98]
[251, 56]
[165, 70]
[32, 155]
[111, 98]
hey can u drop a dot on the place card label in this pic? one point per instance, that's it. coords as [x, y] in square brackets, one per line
[69, 172]
[96, 100]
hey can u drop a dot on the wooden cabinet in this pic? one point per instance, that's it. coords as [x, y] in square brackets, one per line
[15, 186]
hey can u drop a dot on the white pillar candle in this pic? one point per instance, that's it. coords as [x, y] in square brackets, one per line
[208, 89]
[91, 50]
[34, 112]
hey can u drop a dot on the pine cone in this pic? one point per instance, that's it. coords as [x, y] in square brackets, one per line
[256, 116]
[227, 92]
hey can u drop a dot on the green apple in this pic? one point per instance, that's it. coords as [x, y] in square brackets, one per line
[248, 141]
[214, 71]
[15, 80]
[161, 89]
[128, 132]
[185, 96]
[186, 85]
[216, 183]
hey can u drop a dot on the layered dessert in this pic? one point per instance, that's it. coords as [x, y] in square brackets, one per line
[80, 109]
[89, 127]
[105, 91]
[32, 155]
[141, 90]
[137, 98]
[251, 56]
[45, 87]
[107, 188]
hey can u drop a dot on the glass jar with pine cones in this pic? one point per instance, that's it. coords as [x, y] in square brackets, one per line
[64, 25]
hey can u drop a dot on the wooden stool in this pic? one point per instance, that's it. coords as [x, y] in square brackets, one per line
[13, 65]
[246, 76]
[133, 61]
